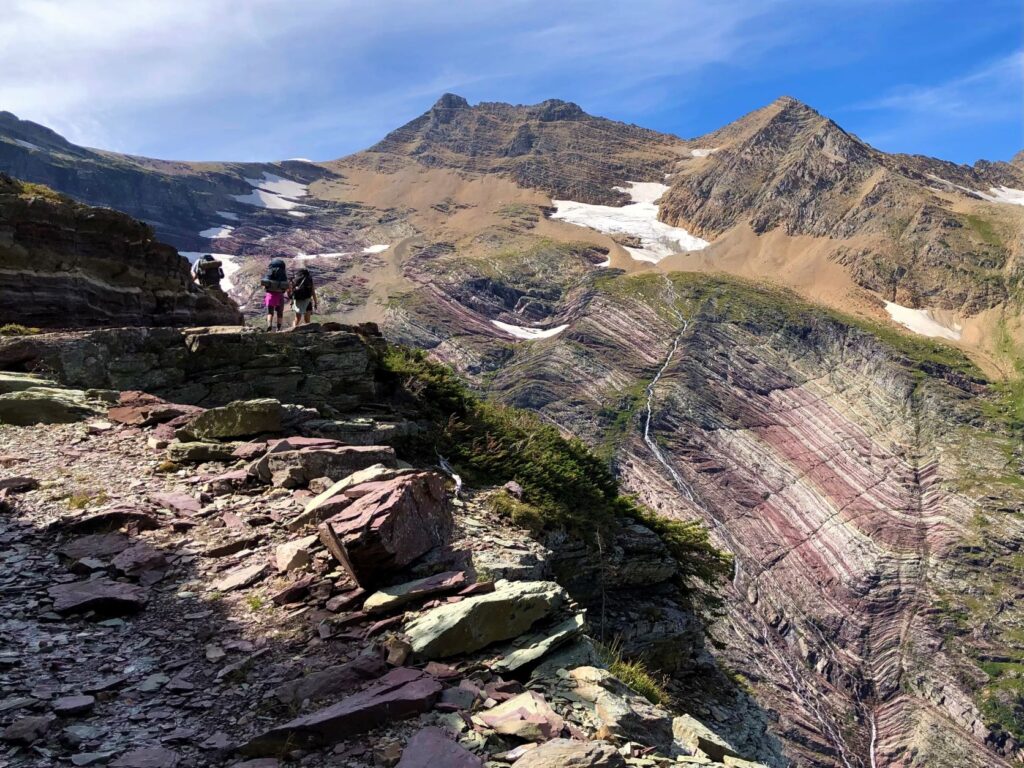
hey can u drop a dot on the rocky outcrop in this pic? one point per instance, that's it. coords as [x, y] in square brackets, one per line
[65, 265]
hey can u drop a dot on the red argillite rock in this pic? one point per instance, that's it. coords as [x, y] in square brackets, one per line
[389, 528]
[432, 748]
[101, 595]
[399, 694]
[143, 410]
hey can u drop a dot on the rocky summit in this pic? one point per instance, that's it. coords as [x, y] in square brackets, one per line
[608, 448]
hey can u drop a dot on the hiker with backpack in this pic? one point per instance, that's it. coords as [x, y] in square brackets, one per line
[275, 283]
[207, 271]
[303, 293]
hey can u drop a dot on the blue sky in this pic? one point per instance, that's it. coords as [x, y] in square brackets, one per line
[273, 79]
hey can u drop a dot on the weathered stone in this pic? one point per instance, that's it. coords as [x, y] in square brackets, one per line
[566, 753]
[198, 452]
[178, 503]
[526, 716]
[27, 730]
[138, 558]
[101, 595]
[534, 648]
[237, 419]
[331, 500]
[228, 482]
[46, 405]
[148, 757]
[390, 528]
[295, 554]
[73, 705]
[11, 381]
[18, 483]
[624, 715]
[432, 748]
[392, 598]
[241, 577]
[400, 693]
[477, 622]
[143, 410]
[107, 521]
[225, 548]
[96, 545]
[295, 468]
[691, 734]
[332, 681]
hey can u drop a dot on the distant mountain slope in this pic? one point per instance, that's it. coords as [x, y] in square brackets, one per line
[554, 146]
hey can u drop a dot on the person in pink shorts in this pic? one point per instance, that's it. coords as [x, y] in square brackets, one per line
[275, 283]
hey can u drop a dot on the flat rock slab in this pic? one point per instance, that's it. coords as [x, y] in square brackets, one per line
[535, 648]
[101, 595]
[144, 410]
[332, 681]
[476, 622]
[179, 503]
[433, 748]
[241, 577]
[526, 716]
[392, 598]
[138, 558]
[566, 753]
[73, 705]
[27, 730]
[238, 419]
[399, 694]
[692, 734]
[18, 483]
[388, 529]
[96, 545]
[46, 405]
[148, 757]
[295, 468]
[108, 521]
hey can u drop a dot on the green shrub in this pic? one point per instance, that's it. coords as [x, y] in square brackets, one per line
[565, 485]
[16, 329]
[632, 672]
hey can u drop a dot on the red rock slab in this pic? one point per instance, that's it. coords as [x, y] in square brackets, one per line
[179, 503]
[332, 681]
[399, 694]
[389, 528]
[108, 520]
[100, 595]
[143, 410]
[138, 558]
[96, 545]
[432, 748]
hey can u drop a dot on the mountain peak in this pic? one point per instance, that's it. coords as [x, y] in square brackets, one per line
[450, 101]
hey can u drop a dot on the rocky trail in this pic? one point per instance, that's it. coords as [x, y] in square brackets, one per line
[190, 586]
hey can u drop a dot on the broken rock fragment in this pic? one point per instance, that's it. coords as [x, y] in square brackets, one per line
[566, 753]
[476, 622]
[399, 694]
[101, 595]
[432, 748]
[238, 419]
[388, 529]
[526, 716]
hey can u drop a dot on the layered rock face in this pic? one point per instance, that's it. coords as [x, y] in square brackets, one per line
[70, 266]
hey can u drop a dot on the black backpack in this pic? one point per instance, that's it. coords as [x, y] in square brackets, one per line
[303, 284]
[276, 278]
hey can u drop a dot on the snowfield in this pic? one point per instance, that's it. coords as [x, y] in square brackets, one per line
[216, 233]
[333, 255]
[529, 333]
[703, 152]
[228, 215]
[27, 144]
[638, 218]
[921, 321]
[273, 192]
[227, 263]
[376, 248]
[1007, 195]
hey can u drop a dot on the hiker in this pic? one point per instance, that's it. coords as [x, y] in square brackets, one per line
[207, 271]
[275, 282]
[303, 297]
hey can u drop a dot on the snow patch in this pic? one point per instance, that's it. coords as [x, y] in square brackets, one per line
[921, 321]
[1007, 195]
[298, 214]
[227, 215]
[273, 192]
[332, 255]
[529, 333]
[298, 160]
[216, 233]
[227, 263]
[376, 248]
[638, 218]
[27, 144]
[703, 152]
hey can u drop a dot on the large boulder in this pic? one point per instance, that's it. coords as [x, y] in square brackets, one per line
[385, 530]
[47, 405]
[624, 714]
[399, 694]
[476, 622]
[241, 418]
[566, 753]
[293, 462]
